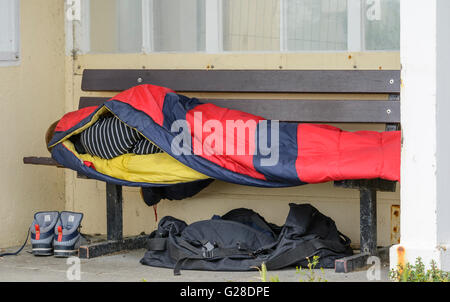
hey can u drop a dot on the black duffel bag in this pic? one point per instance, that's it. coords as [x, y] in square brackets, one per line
[242, 240]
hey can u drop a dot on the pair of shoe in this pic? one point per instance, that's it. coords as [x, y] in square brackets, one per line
[55, 233]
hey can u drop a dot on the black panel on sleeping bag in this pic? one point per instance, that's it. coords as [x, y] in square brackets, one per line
[181, 191]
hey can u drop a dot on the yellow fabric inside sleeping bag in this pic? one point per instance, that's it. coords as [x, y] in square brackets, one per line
[158, 168]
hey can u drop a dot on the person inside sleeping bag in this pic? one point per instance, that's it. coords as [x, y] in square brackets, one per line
[202, 141]
[109, 137]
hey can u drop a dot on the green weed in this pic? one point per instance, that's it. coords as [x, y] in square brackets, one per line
[309, 274]
[418, 273]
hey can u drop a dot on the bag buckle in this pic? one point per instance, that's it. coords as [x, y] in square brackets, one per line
[207, 249]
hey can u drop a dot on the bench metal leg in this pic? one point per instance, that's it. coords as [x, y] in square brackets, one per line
[114, 226]
[114, 215]
[368, 221]
[368, 230]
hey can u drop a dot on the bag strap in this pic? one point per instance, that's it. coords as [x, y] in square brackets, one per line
[163, 244]
[302, 251]
[157, 244]
[208, 252]
[347, 240]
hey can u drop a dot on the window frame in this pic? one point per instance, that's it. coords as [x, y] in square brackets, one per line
[355, 26]
[214, 29]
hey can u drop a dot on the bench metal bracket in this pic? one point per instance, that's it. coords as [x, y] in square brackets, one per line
[368, 216]
[114, 225]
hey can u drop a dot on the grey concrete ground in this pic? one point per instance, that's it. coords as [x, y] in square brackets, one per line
[125, 267]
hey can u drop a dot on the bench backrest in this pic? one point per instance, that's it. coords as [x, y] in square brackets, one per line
[338, 110]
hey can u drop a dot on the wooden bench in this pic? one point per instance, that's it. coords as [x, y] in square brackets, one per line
[338, 110]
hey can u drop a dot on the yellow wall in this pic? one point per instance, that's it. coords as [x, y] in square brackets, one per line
[31, 96]
[341, 204]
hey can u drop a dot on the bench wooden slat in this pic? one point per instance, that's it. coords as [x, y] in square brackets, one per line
[88, 101]
[44, 161]
[298, 81]
[336, 111]
[332, 111]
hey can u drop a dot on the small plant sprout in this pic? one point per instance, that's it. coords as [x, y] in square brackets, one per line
[310, 273]
[263, 274]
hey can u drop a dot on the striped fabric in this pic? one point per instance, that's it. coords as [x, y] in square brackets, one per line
[144, 146]
[109, 138]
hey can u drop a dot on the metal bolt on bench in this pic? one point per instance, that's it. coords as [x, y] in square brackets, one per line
[385, 82]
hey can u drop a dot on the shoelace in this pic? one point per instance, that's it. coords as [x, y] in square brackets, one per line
[21, 248]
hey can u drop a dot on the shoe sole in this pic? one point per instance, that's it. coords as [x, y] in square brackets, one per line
[42, 251]
[64, 252]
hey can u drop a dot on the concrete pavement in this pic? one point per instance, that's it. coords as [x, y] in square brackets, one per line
[125, 267]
